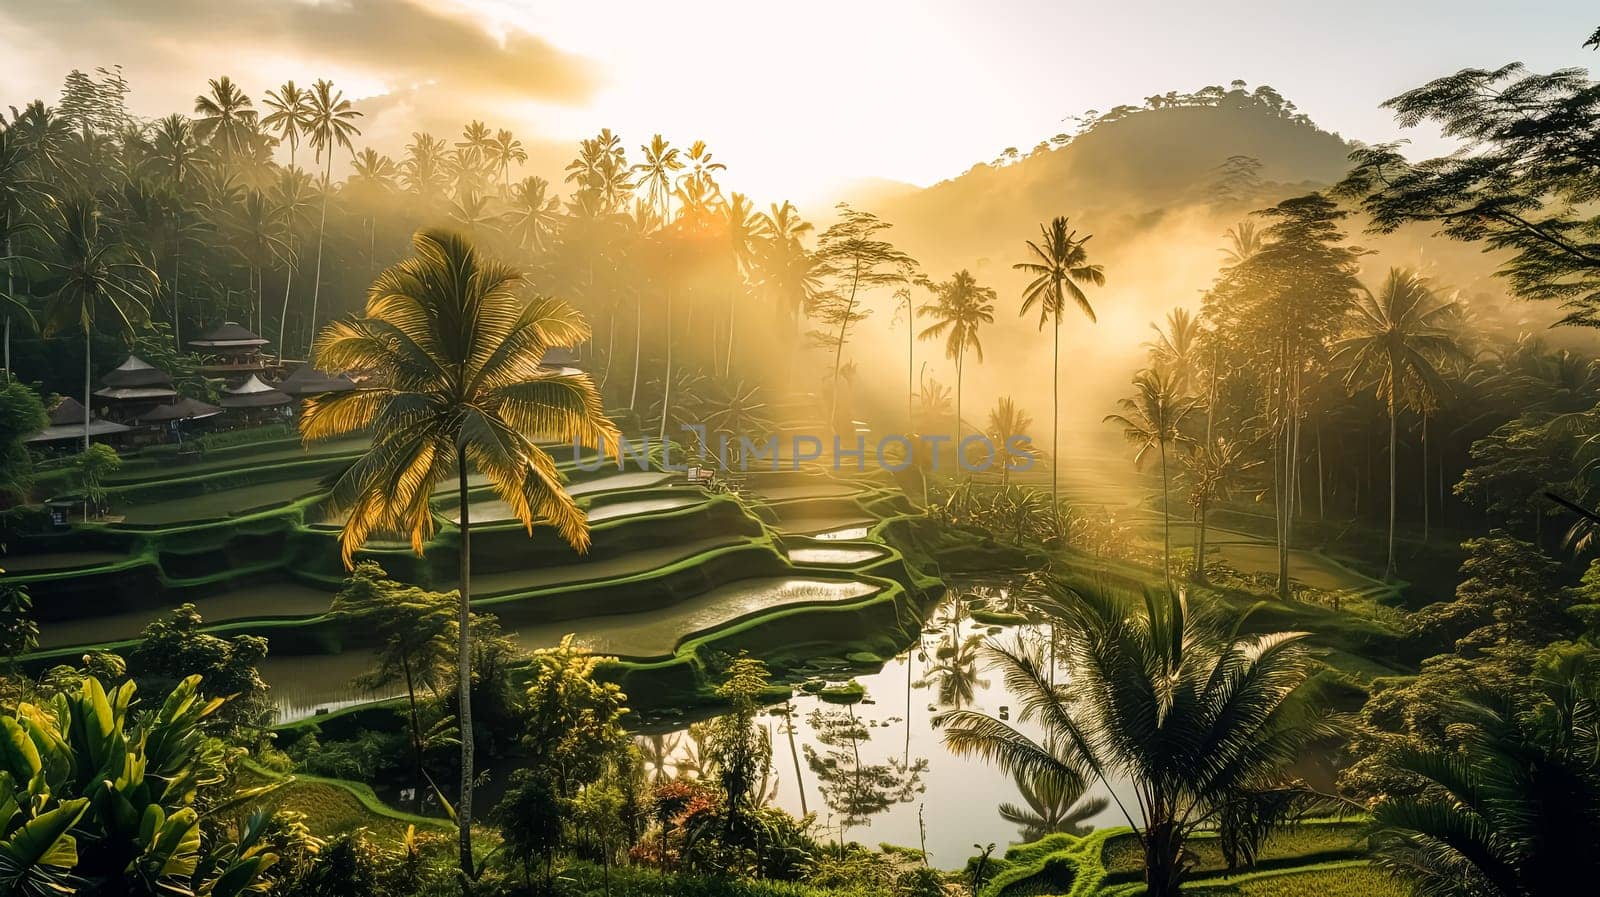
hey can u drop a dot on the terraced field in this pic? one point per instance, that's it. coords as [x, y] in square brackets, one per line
[247, 540]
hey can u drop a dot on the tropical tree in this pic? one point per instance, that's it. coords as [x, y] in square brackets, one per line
[657, 173]
[1213, 470]
[786, 270]
[290, 108]
[746, 230]
[851, 259]
[1059, 265]
[225, 118]
[1515, 811]
[505, 151]
[1007, 422]
[1394, 345]
[17, 188]
[533, 215]
[456, 352]
[329, 124]
[960, 308]
[1199, 720]
[1175, 349]
[253, 228]
[94, 276]
[1150, 419]
[416, 633]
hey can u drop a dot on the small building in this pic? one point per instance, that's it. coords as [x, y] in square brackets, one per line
[134, 387]
[308, 381]
[255, 398]
[172, 417]
[66, 423]
[231, 350]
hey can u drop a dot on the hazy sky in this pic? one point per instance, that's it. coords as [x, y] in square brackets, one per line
[797, 96]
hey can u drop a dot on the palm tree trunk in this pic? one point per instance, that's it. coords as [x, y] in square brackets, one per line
[1163, 874]
[911, 362]
[638, 337]
[1055, 427]
[1424, 476]
[666, 377]
[1388, 570]
[838, 349]
[1166, 520]
[10, 296]
[288, 283]
[733, 308]
[464, 667]
[177, 254]
[322, 228]
[87, 383]
[1200, 544]
[960, 357]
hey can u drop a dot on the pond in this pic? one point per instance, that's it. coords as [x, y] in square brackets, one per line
[879, 771]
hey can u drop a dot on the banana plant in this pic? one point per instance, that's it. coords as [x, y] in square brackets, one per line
[92, 793]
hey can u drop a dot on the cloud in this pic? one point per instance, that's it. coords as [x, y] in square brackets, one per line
[393, 43]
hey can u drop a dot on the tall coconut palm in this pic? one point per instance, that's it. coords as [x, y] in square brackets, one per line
[330, 123]
[17, 190]
[290, 108]
[1151, 419]
[422, 172]
[1175, 348]
[1394, 345]
[456, 350]
[372, 181]
[962, 306]
[1200, 720]
[702, 172]
[505, 151]
[1214, 470]
[533, 215]
[174, 158]
[225, 118]
[93, 277]
[656, 173]
[291, 196]
[254, 232]
[746, 231]
[1059, 264]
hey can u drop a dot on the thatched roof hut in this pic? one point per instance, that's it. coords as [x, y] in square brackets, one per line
[136, 380]
[253, 394]
[308, 381]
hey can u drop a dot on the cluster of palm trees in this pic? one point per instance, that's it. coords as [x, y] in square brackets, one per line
[203, 218]
[1274, 387]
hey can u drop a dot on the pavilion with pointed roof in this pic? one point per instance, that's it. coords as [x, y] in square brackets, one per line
[309, 381]
[133, 387]
[66, 422]
[254, 393]
[230, 349]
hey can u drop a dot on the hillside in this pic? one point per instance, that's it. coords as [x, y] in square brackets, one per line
[1147, 184]
[1126, 171]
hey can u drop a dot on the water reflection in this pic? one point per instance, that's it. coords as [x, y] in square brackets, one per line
[855, 790]
[873, 768]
